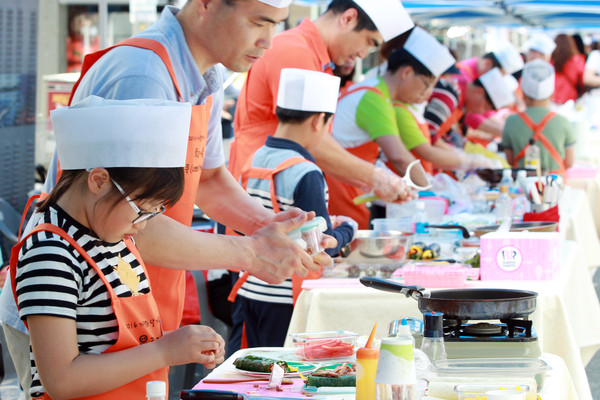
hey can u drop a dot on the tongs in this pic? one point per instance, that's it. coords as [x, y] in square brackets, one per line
[363, 198]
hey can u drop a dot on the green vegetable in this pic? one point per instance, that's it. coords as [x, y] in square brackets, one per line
[259, 364]
[474, 262]
[339, 381]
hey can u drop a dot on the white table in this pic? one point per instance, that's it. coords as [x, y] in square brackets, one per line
[557, 385]
[566, 319]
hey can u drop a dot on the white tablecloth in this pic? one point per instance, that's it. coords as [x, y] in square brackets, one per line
[587, 178]
[566, 319]
[557, 385]
[577, 224]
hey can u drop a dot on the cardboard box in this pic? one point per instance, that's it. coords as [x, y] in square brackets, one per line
[520, 256]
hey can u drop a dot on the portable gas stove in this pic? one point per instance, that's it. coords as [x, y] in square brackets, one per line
[491, 339]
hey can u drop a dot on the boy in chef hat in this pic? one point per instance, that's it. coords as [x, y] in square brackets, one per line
[424, 49]
[283, 174]
[553, 133]
[122, 165]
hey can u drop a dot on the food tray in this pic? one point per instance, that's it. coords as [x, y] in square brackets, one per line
[494, 367]
[437, 274]
[327, 345]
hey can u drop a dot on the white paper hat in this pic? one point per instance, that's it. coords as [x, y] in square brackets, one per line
[305, 90]
[541, 43]
[122, 133]
[511, 82]
[495, 86]
[277, 3]
[389, 16]
[509, 58]
[429, 51]
[537, 80]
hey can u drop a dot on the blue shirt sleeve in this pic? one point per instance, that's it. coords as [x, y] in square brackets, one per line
[310, 196]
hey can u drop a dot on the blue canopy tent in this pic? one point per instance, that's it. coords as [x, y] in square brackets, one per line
[550, 14]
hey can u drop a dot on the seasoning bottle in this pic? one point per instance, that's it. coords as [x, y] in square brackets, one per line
[532, 155]
[433, 336]
[396, 377]
[156, 390]
[366, 368]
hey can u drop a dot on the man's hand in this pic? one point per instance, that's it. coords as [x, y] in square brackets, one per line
[390, 187]
[275, 257]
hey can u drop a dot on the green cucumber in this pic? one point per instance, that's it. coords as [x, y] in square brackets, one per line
[319, 381]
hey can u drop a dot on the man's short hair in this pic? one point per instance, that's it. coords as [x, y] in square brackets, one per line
[401, 58]
[363, 21]
[287, 116]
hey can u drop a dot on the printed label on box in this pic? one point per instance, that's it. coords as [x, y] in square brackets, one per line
[509, 258]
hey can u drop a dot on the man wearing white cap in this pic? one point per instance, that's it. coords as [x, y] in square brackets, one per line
[175, 59]
[553, 133]
[94, 321]
[539, 45]
[282, 174]
[346, 31]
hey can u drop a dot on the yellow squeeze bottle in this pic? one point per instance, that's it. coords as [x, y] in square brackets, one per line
[366, 369]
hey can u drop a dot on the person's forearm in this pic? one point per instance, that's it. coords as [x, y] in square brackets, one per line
[334, 160]
[440, 157]
[590, 78]
[167, 243]
[224, 200]
[492, 126]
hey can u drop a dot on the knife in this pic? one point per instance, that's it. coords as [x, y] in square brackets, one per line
[210, 395]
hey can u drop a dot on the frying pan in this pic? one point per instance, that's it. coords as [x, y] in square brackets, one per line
[463, 304]
[534, 226]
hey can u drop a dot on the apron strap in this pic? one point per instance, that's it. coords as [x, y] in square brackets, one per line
[143, 43]
[268, 174]
[537, 135]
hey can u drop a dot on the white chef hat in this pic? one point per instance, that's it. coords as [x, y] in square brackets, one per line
[509, 58]
[277, 3]
[429, 51]
[305, 90]
[495, 86]
[542, 43]
[97, 132]
[389, 16]
[537, 80]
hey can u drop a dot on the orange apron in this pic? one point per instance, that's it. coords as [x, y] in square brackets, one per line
[424, 128]
[137, 316]
[170, 283]
[269, 174]
[341, 195]
[537, 130]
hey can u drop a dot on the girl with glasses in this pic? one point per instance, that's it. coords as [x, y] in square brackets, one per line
[78, 279]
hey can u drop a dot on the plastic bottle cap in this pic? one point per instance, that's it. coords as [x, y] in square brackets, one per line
[507, 172]
[316, 222]
[364, 353]
[433, 324]
[404, 329]
[156, 389]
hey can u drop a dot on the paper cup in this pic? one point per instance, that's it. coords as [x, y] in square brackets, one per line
[396, 365]
[505, 395]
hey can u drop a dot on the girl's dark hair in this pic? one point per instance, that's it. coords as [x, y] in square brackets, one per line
[478, 83]
[565, 49]
[400, 58]
[162, 184]
[492, 57]
[579, 43]
[363, 21]
[396, 43]
[288, 116]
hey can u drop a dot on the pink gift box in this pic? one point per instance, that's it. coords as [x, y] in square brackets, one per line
[520, 256]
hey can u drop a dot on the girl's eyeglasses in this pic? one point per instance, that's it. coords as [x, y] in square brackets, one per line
[142, 215]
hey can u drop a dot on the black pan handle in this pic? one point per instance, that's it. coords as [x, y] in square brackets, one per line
[465, 231]
[392, 286]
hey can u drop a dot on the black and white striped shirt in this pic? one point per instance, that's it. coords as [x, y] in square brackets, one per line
[54, 279]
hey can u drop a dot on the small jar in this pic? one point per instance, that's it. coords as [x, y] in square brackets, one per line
[310, 235]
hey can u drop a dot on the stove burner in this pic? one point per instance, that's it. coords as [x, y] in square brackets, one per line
[506, 330]
[482, 329]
